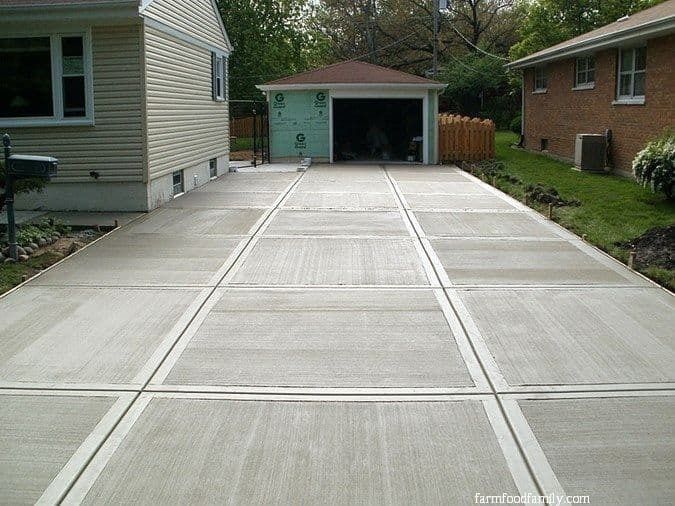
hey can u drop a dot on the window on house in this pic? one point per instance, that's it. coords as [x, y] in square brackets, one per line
[45, 78]
[218, 64]
[72, 72]
[543, 144]
[585, 72]
[632, 66]
[213, 168]
[178, 186]
[540, 79]
[26, 83]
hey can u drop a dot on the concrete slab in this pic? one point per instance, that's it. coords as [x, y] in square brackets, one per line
[515, 262]
[320, 338]
[370, 223]
[340, 176]
[422, 201]
[327, 261]
[343, 186]
[266, 168]
[363, 201]
[250, 182]
[85, 335]
[589, 336]
[444, 188]
[197, 222]
[432, 176]
[22, 216]
[482, 224]
[617, 450]
[144, 260]
[223, 200]
[38, 436]
[90, 219]
[304, 453]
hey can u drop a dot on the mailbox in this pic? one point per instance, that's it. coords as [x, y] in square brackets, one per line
[26, 166]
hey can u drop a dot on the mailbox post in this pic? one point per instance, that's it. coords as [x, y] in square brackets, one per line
[22, 167]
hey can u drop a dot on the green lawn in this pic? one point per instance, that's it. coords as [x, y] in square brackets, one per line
[11, 274]
[241, 144]
[613, 209]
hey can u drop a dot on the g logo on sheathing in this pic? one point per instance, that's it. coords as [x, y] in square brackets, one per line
[300, 137]
[279, 97]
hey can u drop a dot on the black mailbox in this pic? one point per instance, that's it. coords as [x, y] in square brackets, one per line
[26, 166]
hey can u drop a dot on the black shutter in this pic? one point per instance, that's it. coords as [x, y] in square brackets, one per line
[214, 71]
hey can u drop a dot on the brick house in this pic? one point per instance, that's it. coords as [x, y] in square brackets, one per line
[620, 77]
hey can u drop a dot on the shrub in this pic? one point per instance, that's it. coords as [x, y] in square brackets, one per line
[654, 166]
[516, 124]
[32, 232]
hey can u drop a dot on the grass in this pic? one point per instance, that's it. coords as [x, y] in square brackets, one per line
[613, 209]
[12, 274]
[241, 144]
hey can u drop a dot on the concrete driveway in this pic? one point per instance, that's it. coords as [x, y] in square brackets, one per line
[353, 334]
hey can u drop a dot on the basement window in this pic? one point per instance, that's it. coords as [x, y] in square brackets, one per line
[178, 186]
[543, 145]
[213, 168]
[47, 80]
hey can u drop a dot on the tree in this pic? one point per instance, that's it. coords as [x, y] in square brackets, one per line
[548, 22]
[271, 40]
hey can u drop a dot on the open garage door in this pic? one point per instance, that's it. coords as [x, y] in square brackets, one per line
[379, 130]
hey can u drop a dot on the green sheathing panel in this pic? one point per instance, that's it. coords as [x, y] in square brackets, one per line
[299, 124]
[433, 111]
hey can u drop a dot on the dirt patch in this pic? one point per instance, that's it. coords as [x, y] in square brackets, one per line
[654, 248]
[548, 195]
[241, 156]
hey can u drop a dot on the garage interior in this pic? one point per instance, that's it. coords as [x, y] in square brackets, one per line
[378, 130]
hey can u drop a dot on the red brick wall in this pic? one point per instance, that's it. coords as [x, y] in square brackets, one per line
[561, 113]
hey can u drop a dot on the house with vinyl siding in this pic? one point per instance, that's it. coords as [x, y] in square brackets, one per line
[130, 95]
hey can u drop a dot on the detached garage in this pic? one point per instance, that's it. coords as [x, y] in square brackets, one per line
[353, 111]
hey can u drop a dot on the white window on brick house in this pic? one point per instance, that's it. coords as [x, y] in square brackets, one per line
[540, 78]
[632, 67]
[584, 72]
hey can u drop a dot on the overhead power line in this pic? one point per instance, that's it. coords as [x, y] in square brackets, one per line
[477, 48]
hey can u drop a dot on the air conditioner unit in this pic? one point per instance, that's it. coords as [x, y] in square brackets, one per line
[590, 152]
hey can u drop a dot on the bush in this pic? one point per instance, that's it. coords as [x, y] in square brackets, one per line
[29, 233]
[20, 186]
[515, 125]
[654, 166]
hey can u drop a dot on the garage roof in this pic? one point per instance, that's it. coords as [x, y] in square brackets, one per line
[351, 73]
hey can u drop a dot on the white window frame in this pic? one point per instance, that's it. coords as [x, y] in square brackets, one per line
[173, 184]
[219, 74]
[213, 168]
[584, 85]
[544, 78]
[58, 118]
[632, 98]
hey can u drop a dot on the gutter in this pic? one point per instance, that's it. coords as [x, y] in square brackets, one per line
[650, 29]
[350, 86]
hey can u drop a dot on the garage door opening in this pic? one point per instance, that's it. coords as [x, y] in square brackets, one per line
[378, 130]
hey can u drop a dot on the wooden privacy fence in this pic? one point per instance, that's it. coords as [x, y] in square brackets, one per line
[241, 127]
[465, 139]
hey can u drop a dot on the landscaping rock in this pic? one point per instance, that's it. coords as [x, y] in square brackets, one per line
[55, 238]
[28, 251]
[20, 250]
[9, 260]
[74, 247]
[23, 258]
[33, 246]
[42, 242]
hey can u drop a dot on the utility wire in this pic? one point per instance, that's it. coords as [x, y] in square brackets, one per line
[476, 47]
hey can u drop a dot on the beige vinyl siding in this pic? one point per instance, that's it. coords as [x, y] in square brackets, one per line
[185, 126]
[113, 146]
[197, 18]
